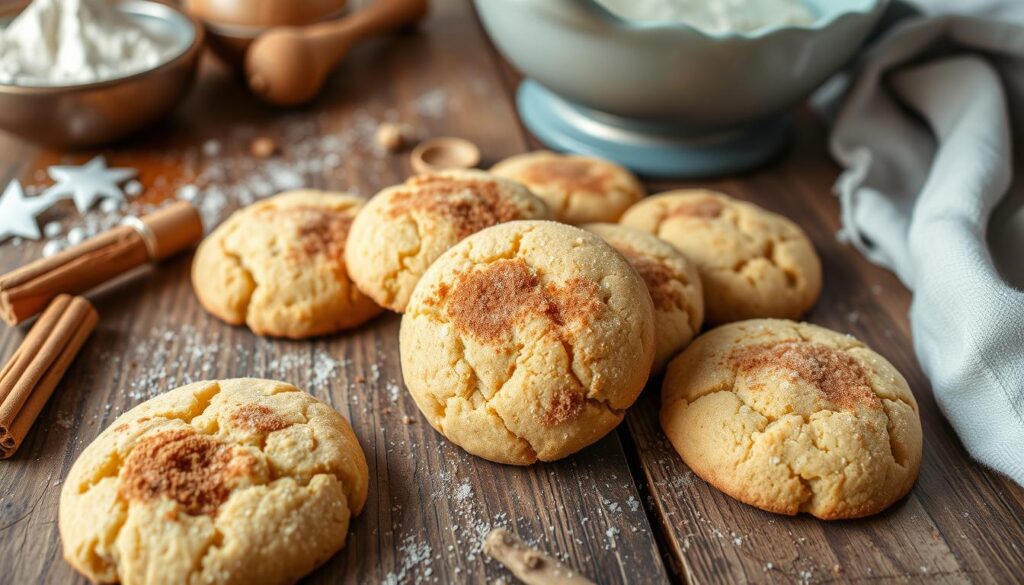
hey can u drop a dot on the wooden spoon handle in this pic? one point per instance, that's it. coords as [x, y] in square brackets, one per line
[287, 66]
[337, 36]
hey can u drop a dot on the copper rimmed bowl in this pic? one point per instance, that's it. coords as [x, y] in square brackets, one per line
[79, 116]
[233, 25]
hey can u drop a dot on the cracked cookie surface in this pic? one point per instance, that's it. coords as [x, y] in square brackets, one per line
[527, 341]
[792, 417]
[278, 267]
[404, 228]
[752, 263]
[671, 279]
[237, 481]
[578, 189]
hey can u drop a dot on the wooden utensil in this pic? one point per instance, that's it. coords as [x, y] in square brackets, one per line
[233, 25]
[287, 66]
[445, 153]
[263, 13]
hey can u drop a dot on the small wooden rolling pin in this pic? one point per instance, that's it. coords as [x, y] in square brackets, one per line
[288, 65]
[29, 289]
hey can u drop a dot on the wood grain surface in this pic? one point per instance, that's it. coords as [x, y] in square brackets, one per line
[626, 510]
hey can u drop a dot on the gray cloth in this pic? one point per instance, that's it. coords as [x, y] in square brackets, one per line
[925, 136]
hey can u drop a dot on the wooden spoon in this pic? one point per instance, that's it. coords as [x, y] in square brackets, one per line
[287, 66]
[445, 153]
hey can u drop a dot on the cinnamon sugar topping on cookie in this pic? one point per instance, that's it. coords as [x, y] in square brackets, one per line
[705, 207]
[182, 465]
[574, 175]
[258, 418]
[322, 231]
[566, 406]
[470, 204]
[576, 301]
[659, 278]
[488, 301]
[837, 375]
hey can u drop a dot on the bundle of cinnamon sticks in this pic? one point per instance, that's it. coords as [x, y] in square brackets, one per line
[48, 285]
[29, 378]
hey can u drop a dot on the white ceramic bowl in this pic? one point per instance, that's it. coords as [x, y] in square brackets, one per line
[673, 73]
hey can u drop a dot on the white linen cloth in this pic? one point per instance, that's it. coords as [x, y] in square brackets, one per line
[925, 134]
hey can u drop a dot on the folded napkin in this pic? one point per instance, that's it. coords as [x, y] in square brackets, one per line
[925, 133]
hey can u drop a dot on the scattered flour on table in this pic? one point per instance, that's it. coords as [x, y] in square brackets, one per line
[633, 503]
[394, 390]
[219, 176]
[321, 366]
[413, 554]
[133, 188]
[432, 104]
[464, 492]
[613, 507]
[169, 357]
[612, 533]
[110, 205]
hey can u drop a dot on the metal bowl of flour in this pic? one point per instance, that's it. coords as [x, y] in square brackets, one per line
[80, 116]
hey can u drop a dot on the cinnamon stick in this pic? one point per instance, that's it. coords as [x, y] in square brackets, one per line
[31, 375]
[528, 564]
[27, 290]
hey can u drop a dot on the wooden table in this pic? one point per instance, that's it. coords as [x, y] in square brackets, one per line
[625, 510]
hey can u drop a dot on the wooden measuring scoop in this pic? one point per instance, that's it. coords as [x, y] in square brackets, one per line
[287, 66]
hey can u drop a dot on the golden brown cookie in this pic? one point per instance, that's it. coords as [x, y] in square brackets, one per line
[752, 263]
[527, 341]
[278, 266]
[579, 189]
[791, 417]
[672, 281]
[404, 228]
[238, 481]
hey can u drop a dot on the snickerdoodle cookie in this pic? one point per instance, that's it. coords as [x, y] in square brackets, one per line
[672, 281]
[752, 263]
[238, 481]
[579, 189]
[278, 266]
[527, 341]
[791, 417]
[404, 228]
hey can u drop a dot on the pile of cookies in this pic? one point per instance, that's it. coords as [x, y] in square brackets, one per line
[537, 301]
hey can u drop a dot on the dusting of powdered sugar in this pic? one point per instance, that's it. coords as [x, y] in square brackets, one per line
[457, 496]
[170, 357]
[414, 554]
[221, 175]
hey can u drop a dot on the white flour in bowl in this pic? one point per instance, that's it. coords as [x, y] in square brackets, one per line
[70, 42]
[715, 16]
